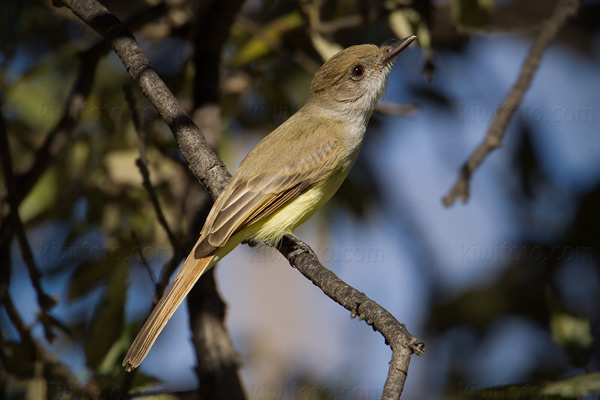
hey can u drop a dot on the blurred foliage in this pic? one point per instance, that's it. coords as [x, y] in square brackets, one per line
[474, 13]
[582, 386]
[92, 193]
[572, 333]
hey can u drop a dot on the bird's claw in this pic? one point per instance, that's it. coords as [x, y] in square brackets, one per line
[299, 248]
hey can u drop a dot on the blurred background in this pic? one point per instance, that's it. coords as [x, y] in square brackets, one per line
[504, 289]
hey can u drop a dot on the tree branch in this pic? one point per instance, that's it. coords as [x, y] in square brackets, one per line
[142, 164]
[203, 162]
[217, 361]
[51, 366]
[212, 173]
[403, 344]
[45, 302]
[495, 134]
[57, 138]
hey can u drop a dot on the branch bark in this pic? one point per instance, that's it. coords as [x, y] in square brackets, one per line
[402, 342]
[495, 134]
[211, 172]
[217, 362]
[203, 162]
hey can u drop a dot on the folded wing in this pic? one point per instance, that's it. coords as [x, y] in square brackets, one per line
[247, 201]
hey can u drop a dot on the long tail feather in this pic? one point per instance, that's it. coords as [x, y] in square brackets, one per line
[191, 271]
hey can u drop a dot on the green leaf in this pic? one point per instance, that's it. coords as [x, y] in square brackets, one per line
[574, 387]
[572, 333]
[37, 101]
[571, 388]
[118, 348]
[37, 388]
[401, 22]
[141, 382]
[261, 45]
[90, 274]
[41, 197]
[406, 21]
[121, 167]
[108, 321]
[474, 13]
[325, 48]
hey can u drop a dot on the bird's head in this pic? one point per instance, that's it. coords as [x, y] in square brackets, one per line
[354, 79]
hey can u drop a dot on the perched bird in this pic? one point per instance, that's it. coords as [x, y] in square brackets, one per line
[289, 175]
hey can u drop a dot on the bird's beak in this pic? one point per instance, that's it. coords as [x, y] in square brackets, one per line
[391, 50]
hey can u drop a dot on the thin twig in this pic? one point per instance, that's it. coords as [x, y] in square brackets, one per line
[45, 301]
[51, 365]
[498, 30]
[167, 270]
[137, 121]
[495, 134]
[142, 164]
[57, 138]
[171, 265]
[145, 263]
[299, 57]
[341, 23]
[210, 171]
[203, 162]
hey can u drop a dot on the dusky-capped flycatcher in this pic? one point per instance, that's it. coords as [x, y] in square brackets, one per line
[289, 175]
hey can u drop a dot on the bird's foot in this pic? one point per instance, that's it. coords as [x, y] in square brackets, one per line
[298, 248]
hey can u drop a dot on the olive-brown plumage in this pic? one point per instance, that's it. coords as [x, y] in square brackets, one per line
[290, 174]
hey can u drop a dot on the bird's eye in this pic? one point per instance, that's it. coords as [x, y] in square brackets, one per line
[359, 70]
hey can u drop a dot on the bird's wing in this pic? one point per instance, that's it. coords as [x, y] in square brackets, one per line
[248, 200]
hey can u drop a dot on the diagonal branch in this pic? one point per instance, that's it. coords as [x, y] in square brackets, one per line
[211, 172]
[203, 162]
[495, 134]
[142, 164]
[402, 342]
[217, 361]
[44, 300]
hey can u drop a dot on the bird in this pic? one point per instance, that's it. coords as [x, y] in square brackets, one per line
[288, 175]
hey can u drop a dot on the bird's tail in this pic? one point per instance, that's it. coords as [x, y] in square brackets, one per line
[191, 271]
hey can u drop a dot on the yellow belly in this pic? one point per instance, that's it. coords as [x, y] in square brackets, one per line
[270, 230]
[295, 212]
